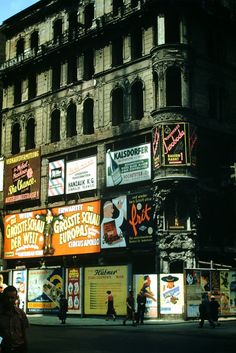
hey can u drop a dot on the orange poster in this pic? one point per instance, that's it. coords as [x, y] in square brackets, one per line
[65, 230]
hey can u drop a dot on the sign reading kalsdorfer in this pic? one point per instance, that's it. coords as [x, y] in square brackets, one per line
[81, 175]
[128, 165]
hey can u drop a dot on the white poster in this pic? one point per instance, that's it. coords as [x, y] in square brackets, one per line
[147, 283]
[128, 165]
[19, 281]
[81, 175]
[56, 177]
[171, 294]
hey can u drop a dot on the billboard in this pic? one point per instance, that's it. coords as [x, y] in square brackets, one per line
[128, 165]
[65, 230]
[73, 290]
[156, 147]
[98, 280]
[22, 177]
[56, 177]
[148, 284]
[171, 294]
[44, 289]
[174, 144]
[81, 175]
[19, 281]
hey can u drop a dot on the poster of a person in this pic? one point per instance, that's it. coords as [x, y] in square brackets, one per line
[114, 217]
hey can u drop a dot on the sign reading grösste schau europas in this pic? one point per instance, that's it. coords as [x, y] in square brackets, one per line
[128, 165]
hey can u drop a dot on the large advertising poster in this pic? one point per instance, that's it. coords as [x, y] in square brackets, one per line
[19, 280]
[174, 144]
[114, 222]
[44, 289]
[56, 177]
[141, 225]
[98, 280]
[65, 230]
[128, 165]
[156, 147]
[1, 173]
[73, 290]
[171, 294]
[22, 177]
[193, 139]
[148, 284]
[81, 175]
[193, 292]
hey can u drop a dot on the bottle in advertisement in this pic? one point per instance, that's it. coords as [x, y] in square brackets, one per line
[114, 169]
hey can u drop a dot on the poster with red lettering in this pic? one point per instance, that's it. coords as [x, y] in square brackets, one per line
[140, 219]
[174, 144]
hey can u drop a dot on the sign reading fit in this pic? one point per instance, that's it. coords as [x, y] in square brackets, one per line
[128, 165]
[65, 230]
[22, 177]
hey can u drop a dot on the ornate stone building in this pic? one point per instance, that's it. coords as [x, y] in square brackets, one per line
[82, 77]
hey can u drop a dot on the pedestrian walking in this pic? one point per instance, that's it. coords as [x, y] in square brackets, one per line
[63, 309]
[13, 324]
[214, 310]
[204, 311]
[130, 308]
[110, 306]
[141, 302]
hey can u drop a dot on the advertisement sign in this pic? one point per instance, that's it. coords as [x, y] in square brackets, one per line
[156, 147]
[193, 139]
[19, 280]
[174, 144]
[128, 165]
[148, 284]
[65, 230]
[225, 292]
[44, 289]
[1, 173]
[22, 177]
[81, 175]
[141, 230]
[98, 280]
[114, 222]
[73, 290]
[193, 292]
[171, 294]
[56, 177]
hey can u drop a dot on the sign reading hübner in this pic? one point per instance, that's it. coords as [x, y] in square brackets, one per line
[128, 165]
[174, 144]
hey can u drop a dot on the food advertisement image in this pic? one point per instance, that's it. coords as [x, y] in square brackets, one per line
[147, 283]
[99, 280]
[44, 289]
[171, 293]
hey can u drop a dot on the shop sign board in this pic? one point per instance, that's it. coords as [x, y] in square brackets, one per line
[56, 177]
[66, 230]
[98, 280]
[129, 165]
[22, 177]
[147, 283]
[44, 289]
[171, 294]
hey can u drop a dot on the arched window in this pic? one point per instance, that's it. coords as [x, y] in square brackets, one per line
[73, 24]
[34, 41]
[30, 134]
[55, 126]
[172, 29]
[88, 15]
[88, 119]
[20, 47]
[137, 100]
[71, 120]
[57, 31]
[15, 142]
[117, 106]
[136, 44]
[173, 86]
[117, 7]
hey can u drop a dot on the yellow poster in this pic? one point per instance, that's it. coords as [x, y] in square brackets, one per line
[98, 280]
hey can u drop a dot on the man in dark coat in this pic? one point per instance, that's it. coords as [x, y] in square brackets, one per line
[141, 301]
[63, 309]
[214, 310]
[204, 311]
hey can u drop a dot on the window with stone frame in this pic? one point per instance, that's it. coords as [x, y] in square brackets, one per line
[134, 3]
[73, 24]
[88, 117]
[32, 85]
[136, 38]
[88, 64]
[57, 31]
[117, 51]
[156, 90]
[20, 48]
[172, 28]
[71, 120]
[56, 76]
[173, 86]
[30, 134]
[137, 100]
[17, 91]
[117, 7]
[72, 69]
[88, 15]
[117, 106]
[55, 125]
[34, 42]
[15, 138]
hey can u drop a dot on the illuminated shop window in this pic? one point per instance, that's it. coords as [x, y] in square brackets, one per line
[15, 142]
[117, 106]
[88, 118]
[55, 126]
[71, 120]
[30, 134]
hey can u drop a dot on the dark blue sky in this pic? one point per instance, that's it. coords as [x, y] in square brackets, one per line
[9, 8]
